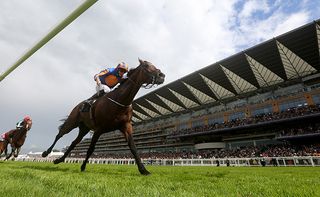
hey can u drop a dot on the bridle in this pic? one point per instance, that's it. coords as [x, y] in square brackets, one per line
[154, 77]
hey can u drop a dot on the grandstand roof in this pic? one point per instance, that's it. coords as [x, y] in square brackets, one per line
[292, 55]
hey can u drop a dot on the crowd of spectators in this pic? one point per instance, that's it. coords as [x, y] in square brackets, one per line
[274, 150]
[300, 130]
[289, 113]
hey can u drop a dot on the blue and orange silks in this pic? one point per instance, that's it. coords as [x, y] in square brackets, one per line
[109, 77]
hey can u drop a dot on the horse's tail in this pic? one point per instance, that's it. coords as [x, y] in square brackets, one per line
[63, 124]
[71, 121]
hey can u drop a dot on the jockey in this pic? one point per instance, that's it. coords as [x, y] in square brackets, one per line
[106, 80]
[110, 77]
[25, 123]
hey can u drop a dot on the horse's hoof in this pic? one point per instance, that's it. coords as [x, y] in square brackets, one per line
[145, 172]
[83, 168]
[57, 161]
[44, 154]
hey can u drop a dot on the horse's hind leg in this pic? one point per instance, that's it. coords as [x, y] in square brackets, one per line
[2, 148]
[83, 130]
[71, 123]
[94, 140]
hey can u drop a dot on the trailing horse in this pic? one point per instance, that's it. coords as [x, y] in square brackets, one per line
[18, 139]
[111, 112]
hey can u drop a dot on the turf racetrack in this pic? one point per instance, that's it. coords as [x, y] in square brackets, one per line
[47, 179]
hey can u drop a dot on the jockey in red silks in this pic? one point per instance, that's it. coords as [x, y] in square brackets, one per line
[25, 123]
[106, 80]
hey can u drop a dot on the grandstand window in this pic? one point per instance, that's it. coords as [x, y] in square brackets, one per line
[315, 86]
[239, 144]
[265, 110]
[236, 115]
[266, 142]
[316, 99]
[197, 123]
[183, 126]
[291, 104]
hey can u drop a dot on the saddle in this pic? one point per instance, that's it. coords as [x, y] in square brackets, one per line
[86, 106]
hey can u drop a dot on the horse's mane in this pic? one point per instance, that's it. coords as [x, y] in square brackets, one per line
[124, 80]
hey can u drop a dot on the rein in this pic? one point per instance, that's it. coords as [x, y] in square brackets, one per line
[121, 105]
[135, 83]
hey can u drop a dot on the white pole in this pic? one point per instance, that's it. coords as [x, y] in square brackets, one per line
[77, 12]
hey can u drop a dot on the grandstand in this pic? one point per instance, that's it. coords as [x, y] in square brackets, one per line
[265, 96]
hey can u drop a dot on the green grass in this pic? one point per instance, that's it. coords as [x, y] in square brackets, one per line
[47, 179]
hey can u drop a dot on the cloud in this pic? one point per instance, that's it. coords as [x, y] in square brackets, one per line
[251, 7]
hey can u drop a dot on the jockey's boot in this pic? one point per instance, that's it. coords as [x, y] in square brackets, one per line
[87, 103]
[97, 95]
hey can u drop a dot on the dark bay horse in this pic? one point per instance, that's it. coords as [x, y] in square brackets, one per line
[18, 138]
[113, 111]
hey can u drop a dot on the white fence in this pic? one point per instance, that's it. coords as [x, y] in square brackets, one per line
[255, 161]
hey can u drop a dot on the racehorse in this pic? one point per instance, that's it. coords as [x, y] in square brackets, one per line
[112, 111]
[18, 139]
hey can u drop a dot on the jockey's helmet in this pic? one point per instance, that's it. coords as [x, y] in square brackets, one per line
[26, 118]
[123, 66]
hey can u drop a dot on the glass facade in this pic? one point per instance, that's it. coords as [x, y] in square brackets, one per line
[197, 123]
[236, 115]
[291, 104]
[316, 99]
[264, 110]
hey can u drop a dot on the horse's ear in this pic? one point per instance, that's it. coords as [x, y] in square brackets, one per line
[141, 61]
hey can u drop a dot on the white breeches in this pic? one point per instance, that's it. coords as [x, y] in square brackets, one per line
[103, 87]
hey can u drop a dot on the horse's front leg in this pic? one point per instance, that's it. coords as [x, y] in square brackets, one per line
[16, 152]
[127, 131]
[6, 150]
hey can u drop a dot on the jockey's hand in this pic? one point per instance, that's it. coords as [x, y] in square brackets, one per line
[98, 81]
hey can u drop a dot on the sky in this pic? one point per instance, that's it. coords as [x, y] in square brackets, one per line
[177, 36]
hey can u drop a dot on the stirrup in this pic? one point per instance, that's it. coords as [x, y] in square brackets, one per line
[85, 106]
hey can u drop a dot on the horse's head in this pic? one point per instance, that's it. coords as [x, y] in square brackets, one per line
[148, 73]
